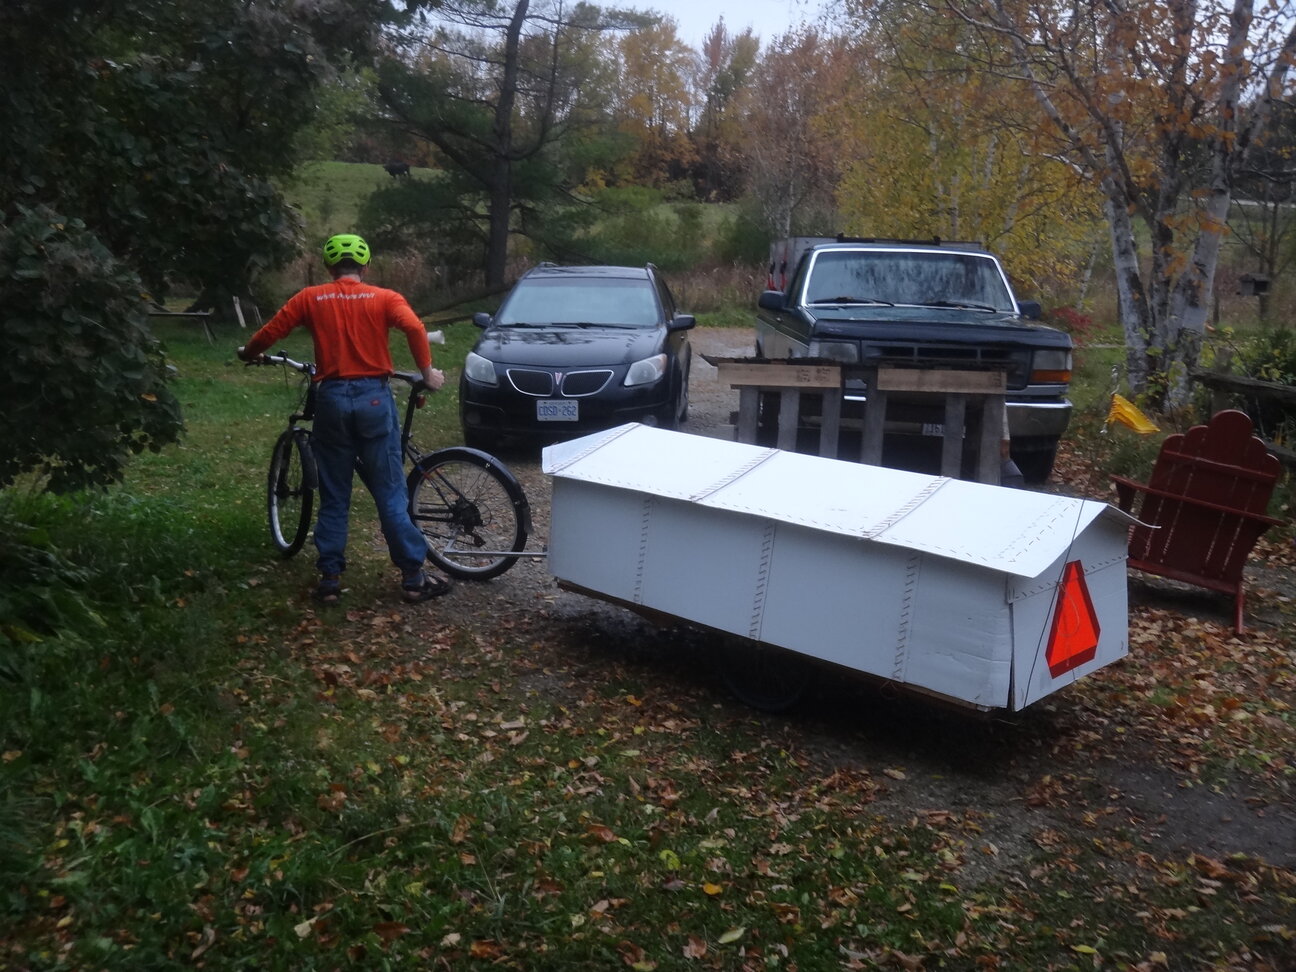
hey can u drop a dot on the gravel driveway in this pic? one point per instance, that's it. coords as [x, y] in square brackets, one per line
[981, 768]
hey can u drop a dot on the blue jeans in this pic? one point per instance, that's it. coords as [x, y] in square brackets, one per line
[355, 419]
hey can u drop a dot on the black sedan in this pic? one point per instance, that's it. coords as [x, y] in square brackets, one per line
[575, 349]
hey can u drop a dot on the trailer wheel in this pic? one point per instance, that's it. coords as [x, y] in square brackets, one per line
[761, 676]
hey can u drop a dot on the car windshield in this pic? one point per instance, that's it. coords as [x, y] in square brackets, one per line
[949, 279]
[616, 301]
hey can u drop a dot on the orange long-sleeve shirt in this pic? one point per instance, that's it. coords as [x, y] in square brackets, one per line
[348, 321]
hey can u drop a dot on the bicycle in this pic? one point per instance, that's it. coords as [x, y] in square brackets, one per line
[469, 506]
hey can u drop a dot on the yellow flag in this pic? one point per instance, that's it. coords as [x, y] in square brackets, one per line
[1127, 413]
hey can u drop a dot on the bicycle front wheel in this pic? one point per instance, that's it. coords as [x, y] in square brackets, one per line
[290, 491]
[471, 510]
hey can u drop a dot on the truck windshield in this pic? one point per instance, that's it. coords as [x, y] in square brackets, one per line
[949, 279]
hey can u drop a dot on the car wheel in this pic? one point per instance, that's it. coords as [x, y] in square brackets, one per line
[683, 412]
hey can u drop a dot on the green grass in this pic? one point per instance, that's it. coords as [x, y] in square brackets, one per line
[198, 769]
[330, 195]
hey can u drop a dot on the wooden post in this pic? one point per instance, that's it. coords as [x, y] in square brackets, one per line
[952, 435]
[994, 429]
[789, 380]
[874, 419]
[985, 389]
[748, 413]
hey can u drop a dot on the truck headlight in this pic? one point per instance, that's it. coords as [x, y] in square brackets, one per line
[847, 352]
[646, 371]
[1051, 367]
[479, 369]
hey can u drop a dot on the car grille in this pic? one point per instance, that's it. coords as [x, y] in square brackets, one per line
[531, 382]
[574, 384]
[579, 383]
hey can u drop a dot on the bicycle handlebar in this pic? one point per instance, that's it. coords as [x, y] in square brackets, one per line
[411, 378]
[281, 358]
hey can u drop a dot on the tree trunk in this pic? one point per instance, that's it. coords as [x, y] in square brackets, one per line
[501, 182]
[1131, 301]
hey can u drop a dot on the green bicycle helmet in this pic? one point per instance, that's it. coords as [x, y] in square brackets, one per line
[346, 246]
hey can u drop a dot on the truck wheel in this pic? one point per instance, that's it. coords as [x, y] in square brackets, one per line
[1035, 464]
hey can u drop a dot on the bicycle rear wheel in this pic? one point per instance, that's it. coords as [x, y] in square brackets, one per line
[290, 491]
[471, 510]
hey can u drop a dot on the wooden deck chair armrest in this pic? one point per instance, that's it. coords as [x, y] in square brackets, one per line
[1126, 490]
[1200, 504]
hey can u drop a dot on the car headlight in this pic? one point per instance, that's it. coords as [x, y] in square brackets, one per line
[1051, 367]
[847, 352]
[479, 369]
[647, 370]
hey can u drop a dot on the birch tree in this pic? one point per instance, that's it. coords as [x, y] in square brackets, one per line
[793, 158]
[1158, 104]
[939, 148]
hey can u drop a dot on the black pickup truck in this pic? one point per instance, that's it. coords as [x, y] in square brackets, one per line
[919, 304]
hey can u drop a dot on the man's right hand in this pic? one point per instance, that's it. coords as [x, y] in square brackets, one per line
[249, 359]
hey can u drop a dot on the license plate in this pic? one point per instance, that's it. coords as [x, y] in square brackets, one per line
[933, 428]
[557, 410]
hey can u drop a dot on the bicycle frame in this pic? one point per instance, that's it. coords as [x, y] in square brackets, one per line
[415, 456]
[447, 507]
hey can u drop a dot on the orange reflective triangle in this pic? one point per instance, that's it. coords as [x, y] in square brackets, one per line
[1073, 639]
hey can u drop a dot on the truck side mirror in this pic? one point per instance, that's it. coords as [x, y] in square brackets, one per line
[772, 300]
[681, 322]
[1029, 309]
[482, 319]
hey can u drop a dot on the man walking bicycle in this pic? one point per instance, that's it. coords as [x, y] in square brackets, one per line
[355, 413]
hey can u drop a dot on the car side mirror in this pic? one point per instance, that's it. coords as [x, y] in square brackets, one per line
[1029, 309]
[482, 319]
[772, 300]
[682, 322]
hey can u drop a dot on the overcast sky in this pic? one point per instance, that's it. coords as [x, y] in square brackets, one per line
[767, 18]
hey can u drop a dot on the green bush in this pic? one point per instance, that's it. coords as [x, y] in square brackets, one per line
[1269, 355]
[742, 237]
[86, 382]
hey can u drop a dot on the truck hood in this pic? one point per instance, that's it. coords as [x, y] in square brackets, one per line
[944, 324]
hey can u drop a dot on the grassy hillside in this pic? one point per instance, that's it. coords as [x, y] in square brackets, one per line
[331, 194]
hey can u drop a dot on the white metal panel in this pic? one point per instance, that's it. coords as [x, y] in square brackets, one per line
[707, 566]
[906, 577]
[592, 537]
[961, 634]
[1016, 531]
[1101, 553]
[840, 599]
[651, 460]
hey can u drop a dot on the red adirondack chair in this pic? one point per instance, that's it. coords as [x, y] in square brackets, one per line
[1205, 505]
